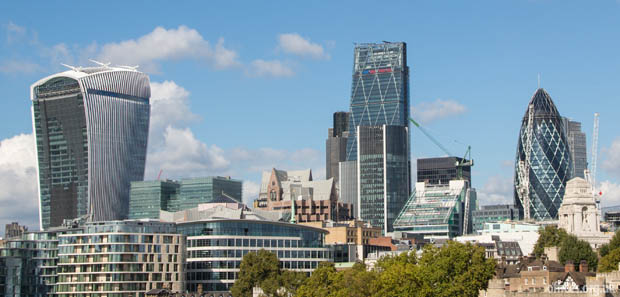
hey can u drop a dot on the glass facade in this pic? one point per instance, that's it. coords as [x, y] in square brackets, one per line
[91, 128]
[383, 169]
[493, 214]
[577, 145]
[336, 145]
[147, 198]
[30, 264]
[120, 258]
[437, 211]
[215, 249]
[442, 170]
[380, 88]
[550, 159]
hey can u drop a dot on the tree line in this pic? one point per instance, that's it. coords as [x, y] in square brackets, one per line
[456, 269]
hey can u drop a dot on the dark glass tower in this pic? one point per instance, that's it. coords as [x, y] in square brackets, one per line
[550, 159]
[336, 145]
[91, 128]
[378, 127]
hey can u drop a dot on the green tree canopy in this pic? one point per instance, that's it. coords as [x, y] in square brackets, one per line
[320, 282]
[548, 237]
[612, 245]
[257, 270]
[575, 250]
[610, 261]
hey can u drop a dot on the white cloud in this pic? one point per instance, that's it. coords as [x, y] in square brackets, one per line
[611, 163]
[18, 181]
[429, 111]
[610, 193]
[183, 155]
[169, 107]
[496, 190]
[14, 32]
[274, 68]
[250, 192]
[293, 43]
[168, 44]
[15, 66]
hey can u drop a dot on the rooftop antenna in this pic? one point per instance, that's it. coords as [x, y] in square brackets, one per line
[539, 80]
[106, 65]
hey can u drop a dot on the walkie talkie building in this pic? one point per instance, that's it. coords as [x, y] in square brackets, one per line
[91, 128]
[550, 159]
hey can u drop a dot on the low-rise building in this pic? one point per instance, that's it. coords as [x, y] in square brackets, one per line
[296, 192]
[493, 214]
[147, 198]
[438, 211]
[120, 258]
[14, 229]
[220, 234]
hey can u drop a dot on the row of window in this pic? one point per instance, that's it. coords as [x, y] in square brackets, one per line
[289, 254]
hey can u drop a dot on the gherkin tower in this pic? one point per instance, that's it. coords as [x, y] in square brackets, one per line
[550, 164]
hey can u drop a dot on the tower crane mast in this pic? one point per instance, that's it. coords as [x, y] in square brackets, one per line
[524, 166]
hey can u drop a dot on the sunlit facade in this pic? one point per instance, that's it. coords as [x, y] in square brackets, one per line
[550, 159]
[91, 128]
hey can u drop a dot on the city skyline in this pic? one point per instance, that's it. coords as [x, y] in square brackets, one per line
[466, 71]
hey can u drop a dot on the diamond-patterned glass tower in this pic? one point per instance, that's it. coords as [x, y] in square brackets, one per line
[380, 88]
[379, 131]
[550, 159]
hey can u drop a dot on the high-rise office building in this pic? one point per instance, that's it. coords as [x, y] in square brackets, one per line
[550, 159]
[378, 131]
[91, 127]
[383, 173]
[577, 145]
[380, 88]
[347, 184]
[440, 171]
[336, 145]
[147, 198]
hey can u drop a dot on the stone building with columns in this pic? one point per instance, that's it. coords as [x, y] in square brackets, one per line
[579, 215]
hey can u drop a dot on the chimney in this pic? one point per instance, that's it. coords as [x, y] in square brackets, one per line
[569, 266]
[583, 266]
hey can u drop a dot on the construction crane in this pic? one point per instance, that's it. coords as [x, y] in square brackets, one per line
[445, 150]
[524, 165]
[594, 150]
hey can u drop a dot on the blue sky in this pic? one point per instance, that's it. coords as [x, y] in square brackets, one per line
[241, 87]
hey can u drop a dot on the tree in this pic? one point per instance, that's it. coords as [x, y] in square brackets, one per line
[612, 245]
[456, 269]
[548, 237]
[399, 275]
[354, 282]
[319, 283]
[610, 261]
[291, 280]
[257, 270]
[574, 249]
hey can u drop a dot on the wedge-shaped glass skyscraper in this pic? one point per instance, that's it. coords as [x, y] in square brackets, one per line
[550, 163]
[91, 127]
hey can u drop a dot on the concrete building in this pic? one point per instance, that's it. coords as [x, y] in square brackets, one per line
[438, 211]
[579, 214]
[147, 198]
[336, 145]
[220, 234]
[493, 214]
[14, 230]
[120, 258]
[507, 252]
[526, 239]
[440, 171]
[91, 128]
[312, 200]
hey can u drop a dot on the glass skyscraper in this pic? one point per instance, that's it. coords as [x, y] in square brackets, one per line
[550, 159]
[577, 144]
[91, 127]
[378, 131]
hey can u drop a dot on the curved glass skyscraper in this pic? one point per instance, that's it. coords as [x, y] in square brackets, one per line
[91, 127]
[550, 159]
